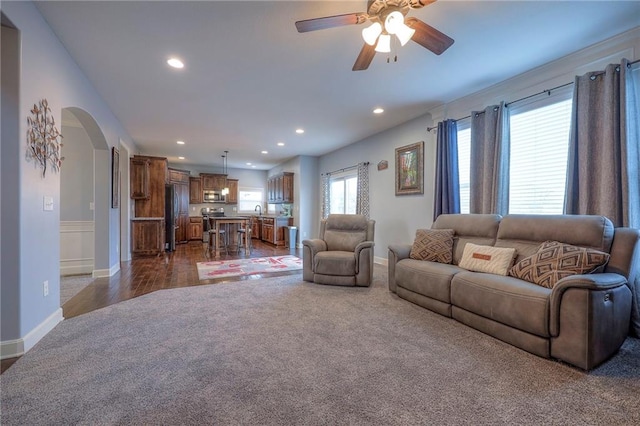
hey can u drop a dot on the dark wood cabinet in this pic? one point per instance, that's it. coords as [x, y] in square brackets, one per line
[213, 182]
[280, 188]
[153, 204]
[180, 181]
[256, 228]
[139, 175]
[232, 196]
[274, 228]
[147, 236]
[195, 190]
[195, 228]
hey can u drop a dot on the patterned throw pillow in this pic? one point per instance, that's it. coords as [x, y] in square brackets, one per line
[493, 260]
[555, 260]
[435, 245]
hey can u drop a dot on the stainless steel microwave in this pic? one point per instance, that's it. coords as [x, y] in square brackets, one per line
[209, 196]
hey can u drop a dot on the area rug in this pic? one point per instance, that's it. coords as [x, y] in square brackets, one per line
[240, 267]
[281, 351]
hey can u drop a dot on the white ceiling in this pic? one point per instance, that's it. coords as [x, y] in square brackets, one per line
[251, 79]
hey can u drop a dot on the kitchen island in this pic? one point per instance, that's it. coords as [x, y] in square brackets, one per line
[230, 224]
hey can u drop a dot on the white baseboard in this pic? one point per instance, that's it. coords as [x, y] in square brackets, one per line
[76, 266]
[18, 347]
[104, 273]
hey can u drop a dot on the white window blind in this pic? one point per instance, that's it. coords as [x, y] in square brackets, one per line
[539, 149]
[464, 162]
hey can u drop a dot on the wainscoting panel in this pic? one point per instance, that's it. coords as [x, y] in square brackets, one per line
[76, 247]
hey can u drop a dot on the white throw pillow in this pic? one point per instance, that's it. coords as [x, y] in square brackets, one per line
[494, 260]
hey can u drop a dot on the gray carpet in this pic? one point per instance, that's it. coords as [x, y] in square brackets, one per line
[281, 351]
[72, 285]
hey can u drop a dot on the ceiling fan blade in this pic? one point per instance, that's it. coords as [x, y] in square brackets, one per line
[364, 58]
[331, 21]
[428, 37]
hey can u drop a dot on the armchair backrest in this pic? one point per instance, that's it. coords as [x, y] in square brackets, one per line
[343, 232]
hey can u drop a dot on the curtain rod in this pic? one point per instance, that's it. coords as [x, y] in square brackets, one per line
[355, 166]
[548, 91]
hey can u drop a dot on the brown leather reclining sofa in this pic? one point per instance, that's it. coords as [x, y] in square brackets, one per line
[582, 320]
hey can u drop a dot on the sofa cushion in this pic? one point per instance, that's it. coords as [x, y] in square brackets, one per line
[435, 245]
[493, 260]
[335, 263]
[507, 300]
[430, 279]
[554, 261]
[469, 228]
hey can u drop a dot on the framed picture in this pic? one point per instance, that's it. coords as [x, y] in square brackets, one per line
[115, 178]
[410, 169]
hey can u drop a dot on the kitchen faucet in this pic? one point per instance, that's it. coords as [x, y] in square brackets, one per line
[258, 207]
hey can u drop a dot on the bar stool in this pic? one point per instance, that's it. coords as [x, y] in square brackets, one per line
[246, 234]
[213, 237]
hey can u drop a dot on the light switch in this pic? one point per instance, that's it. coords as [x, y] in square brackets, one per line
[47, 203]
[91, 205]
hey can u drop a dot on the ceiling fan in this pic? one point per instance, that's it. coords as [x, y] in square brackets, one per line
[388, 17]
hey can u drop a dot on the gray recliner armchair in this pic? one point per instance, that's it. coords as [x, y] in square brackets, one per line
[343, 253]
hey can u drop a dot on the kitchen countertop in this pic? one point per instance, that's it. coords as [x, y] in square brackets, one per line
[147, 218]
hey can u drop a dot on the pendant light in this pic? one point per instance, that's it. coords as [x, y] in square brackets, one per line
[225, 158]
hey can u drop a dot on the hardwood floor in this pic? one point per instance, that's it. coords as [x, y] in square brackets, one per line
[143, 275]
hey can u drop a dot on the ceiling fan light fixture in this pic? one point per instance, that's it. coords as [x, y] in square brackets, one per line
[393, 22]
[384, 44]
[371, 33]
[404, 34]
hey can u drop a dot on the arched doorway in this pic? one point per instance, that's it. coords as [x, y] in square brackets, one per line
[85, 195]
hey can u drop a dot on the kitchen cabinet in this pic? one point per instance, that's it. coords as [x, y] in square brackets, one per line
[147, 236]
[195, 190]
[213, 182]
[232, 196]
[139, 175]
[195, 228]
[274, 228]
[280, 188]
[180, 181]
[256, 227]
[152, 184]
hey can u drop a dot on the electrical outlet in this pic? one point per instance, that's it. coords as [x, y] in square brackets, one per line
[304, 233]
[45, 288]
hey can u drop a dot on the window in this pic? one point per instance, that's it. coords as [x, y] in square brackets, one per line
[464, 162]
[248, 198]
[539, 149]
[539, 134]
[343, 193]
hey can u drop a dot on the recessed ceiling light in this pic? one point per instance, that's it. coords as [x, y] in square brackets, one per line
[180, 142]
[180, 158]
[253, 167]
[248, 164]
[280, 143]
[378, 111]
[264, 152]
[175, 63]
[299, 131]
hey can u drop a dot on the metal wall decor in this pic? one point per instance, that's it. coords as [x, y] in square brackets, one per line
[43, 138]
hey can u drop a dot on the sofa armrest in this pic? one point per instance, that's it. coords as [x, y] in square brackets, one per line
[309, 250]
[397, 252]
[315, 245]
[364, 263]
[400, 251]
[593, 282]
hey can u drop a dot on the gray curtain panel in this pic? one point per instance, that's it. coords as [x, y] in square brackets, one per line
[326, 195]
[602, 170]
[598, 172]
[362, 200]
[447, 191]
[489, 179]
